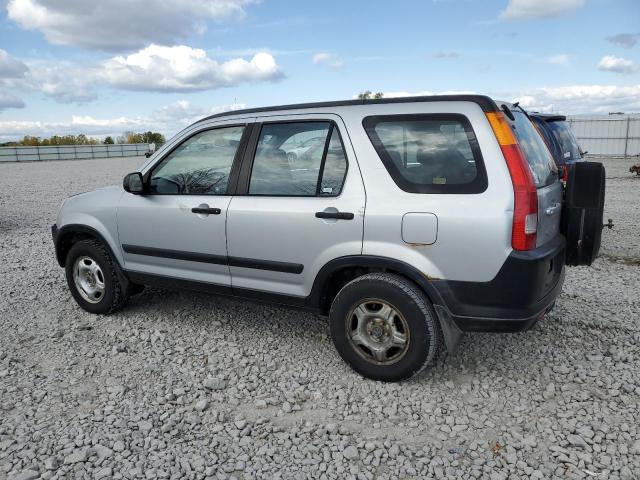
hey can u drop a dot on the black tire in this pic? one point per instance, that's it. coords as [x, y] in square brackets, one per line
[425, 340]
[115, 293]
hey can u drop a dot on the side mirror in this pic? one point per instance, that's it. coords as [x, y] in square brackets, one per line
[133, 183]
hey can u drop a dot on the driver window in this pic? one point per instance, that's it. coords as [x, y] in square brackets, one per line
[200, 165]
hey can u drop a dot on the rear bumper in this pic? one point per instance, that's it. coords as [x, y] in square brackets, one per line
[524, 289]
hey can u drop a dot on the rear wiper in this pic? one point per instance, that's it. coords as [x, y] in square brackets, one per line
[517, 105]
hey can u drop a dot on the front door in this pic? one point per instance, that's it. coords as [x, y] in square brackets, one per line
[300, 204]
[177, 228]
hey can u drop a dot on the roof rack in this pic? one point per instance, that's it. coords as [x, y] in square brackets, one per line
[486, 103]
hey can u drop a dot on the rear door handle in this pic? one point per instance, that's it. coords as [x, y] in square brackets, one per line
[336, 215]
[206, 210]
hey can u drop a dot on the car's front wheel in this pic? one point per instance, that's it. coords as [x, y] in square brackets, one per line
[93, 279]
[384, 327]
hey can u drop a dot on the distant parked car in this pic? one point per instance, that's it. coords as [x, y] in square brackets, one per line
[559, 137]
[297, 152]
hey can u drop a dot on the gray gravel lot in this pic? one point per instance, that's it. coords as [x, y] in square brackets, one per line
[182, 385]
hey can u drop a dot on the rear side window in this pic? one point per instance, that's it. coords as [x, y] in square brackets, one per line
[534, 149]
[302, 159]
[429, 153]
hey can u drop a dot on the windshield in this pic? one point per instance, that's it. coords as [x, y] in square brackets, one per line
[567, 141]
[535, 150]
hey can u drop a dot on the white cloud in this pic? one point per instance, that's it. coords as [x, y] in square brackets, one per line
[10, 67]
[610, 63]
[152, 69]
[63, 81]
[168, 120]
[579, 99]
[182, 69]
[321, 57]
[560, 59]
[329, 59]
[532, 9]
[574, 99]
[8, 100]
[445, 55]
[121, 24]
[626, 40]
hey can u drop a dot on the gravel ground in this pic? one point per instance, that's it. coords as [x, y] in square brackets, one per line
[182, 385]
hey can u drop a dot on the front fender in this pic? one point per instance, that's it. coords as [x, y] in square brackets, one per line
[93, 214]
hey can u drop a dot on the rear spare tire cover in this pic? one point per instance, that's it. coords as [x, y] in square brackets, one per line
[582, 213]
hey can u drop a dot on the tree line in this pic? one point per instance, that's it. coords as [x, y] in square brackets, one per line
[82, 139]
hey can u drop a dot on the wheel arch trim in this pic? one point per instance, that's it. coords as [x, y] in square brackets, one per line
[73, 229]
[320, 284]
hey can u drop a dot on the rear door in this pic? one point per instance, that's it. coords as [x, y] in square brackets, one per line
[545, 175]
[300, 203]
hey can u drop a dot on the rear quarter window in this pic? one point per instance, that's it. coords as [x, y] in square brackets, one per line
[429, 153]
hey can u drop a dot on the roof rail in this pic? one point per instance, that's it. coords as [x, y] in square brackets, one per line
[486, 103]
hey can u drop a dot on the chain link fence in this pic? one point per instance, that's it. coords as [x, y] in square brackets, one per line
[612, 136]
[71, 152]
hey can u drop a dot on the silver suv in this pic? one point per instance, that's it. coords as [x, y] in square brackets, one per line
[406, 221]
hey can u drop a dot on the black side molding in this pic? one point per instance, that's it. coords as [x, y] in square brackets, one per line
[284, 267]
[176, 254]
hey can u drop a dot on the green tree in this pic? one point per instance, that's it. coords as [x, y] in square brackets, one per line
[108, 141]
[153, 137]
[367, 95]
[146, 137]
[29, 141]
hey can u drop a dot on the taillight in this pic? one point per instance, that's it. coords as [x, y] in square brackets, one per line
[525, 195]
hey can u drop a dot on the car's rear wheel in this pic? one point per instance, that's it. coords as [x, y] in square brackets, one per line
[93, 279]
[384, 327]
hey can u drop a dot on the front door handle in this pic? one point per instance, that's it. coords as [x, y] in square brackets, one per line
[206, 210]
[336, 215]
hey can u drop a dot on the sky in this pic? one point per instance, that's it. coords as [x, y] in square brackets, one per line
[109, 66]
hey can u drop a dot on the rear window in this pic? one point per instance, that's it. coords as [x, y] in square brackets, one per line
[429, 153]
[535, 150]
[567, 141]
